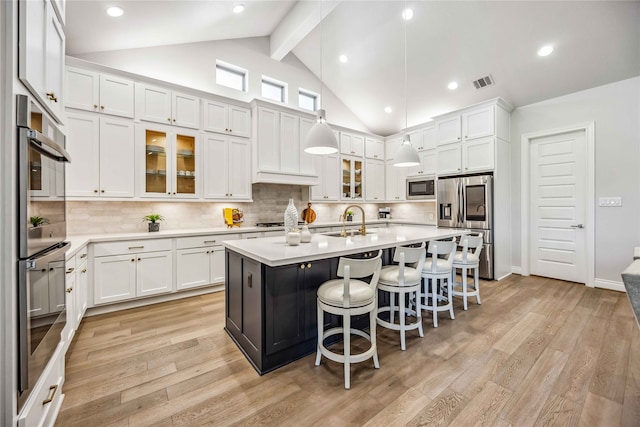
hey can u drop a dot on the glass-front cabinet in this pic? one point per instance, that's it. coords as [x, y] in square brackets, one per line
[352, 178]
[170, 162]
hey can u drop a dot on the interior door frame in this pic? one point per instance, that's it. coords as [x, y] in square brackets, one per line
[526, 139]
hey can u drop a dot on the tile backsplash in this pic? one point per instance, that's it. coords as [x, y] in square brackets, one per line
[269, 203]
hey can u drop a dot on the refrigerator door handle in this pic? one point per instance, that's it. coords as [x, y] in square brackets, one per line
[463, 222]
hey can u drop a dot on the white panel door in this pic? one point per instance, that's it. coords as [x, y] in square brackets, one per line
[185, 110]
[429, 138]
[216, 265]
[114, 278]
[307, 161]
[558, 206]
[239, 169]
[117, 161]
[239, 121]
[215, 117]
[478, 123]
[374, 180]
[449, 159]
[153, 103]
[83, 140]
[54, 63]
[478, 155]
[154, 273]
[82, 89]
[332, 175]
[116, 96]
[216, 167]
[448, 130]
[289, 144]
[268, 140]
[192, 268]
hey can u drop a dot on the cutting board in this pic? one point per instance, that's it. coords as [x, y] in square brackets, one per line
[308, 214]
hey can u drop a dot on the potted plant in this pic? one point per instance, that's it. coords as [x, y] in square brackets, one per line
[152, 218]
[37, 221]
[349, 215]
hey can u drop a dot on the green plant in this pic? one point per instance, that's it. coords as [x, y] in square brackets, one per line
[153, 218]
[350, 212]
[38, 221]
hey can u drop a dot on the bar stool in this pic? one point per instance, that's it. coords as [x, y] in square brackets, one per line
[348, 297]
[402, 280]
[467, 260]
[438, 271]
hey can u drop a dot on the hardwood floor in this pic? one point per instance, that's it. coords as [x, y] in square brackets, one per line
[536, 352]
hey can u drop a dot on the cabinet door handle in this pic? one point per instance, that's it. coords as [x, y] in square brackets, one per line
[207, 252]
[136, 247]
[84, 270]
[95, 105]
[169, 119]
[95, 191]
[70, 270]
[52, 96]
[174, 120]
[139, 259]
[133, 259]
[102, 107]
[83, 256]
[102, 191]
[308, 265]
[68, 290]
[210, 241]
[53, 389]
[301, 266]
[250, 280]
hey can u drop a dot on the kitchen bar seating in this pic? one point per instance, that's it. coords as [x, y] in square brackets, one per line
[346, 297]
[464, 261]
[402, 280]
[438, 278]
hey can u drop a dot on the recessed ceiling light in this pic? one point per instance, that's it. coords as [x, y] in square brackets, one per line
[387, 109]
[239, 8]
[545, 50]
[115, 11]
[407, 14]
[343, 59]
[453, 85]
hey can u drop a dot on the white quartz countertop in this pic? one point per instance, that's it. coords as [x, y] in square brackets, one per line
[274, 251]
[80, 241]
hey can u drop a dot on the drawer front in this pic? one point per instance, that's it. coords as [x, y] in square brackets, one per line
[254, 235]
[131, 246]
[82, 255]
[36, 412]
[70, 264]
[204, 241]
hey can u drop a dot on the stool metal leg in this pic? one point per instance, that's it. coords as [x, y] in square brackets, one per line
[476, 278]
[402, 315]
[320, 333]
[346, 333]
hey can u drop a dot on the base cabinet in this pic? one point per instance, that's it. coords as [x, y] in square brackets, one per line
[199, 267]
[271, 311]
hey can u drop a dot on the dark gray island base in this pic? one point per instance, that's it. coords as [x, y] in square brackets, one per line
[270, 289]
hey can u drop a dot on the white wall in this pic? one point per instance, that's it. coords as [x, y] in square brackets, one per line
[194, 64]
[615, 109]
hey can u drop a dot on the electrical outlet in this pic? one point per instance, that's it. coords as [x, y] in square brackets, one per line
[610, 201]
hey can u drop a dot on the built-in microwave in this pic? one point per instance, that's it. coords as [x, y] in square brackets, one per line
[421, 188]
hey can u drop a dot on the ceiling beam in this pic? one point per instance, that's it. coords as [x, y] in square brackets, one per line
[298, 23]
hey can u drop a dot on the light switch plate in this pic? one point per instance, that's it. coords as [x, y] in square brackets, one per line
[610, 201]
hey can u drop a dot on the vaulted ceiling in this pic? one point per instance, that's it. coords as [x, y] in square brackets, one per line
[595, 42]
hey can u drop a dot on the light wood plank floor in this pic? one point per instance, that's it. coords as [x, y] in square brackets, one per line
[536, 352]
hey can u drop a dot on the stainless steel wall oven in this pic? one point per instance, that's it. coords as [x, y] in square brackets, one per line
[41, 245]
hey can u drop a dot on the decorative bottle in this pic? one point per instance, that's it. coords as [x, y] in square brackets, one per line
[290, 217]
[305, 234]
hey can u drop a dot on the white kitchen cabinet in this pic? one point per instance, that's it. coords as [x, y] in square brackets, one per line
[428, 164]
[70, 304]
[81, 290]
[374, 148]
[41, 54]
[226, 118]
[97, 144]
[467, 157]
[352, 178]
[396, 183]
[130, 269]
[45, 400]
[103, 93]
[169, 166]
[428, 138]
[478, 155]
[393, 146]
[227, 173]
[351, 144]
[200, 260]
[160, 105]
[374, 180]
[448, 130]
[278, 156]
[307, 161]
[449, 159]
[478, 123]
[328, 167]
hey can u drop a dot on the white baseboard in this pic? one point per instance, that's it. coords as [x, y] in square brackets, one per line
[515, 269]
[609, 284]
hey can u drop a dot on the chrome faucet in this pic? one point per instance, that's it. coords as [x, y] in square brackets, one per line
[362, 230]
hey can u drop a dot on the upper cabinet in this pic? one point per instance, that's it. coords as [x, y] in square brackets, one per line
[160, 105]
[169, 166]
[226, 118]
[448, 130]
[328, 167]
[351, 144]
[41, 54]
[428, 138]
[478, 123]
[278, 154]
[374, 148]
[103, 93]
[227, 175]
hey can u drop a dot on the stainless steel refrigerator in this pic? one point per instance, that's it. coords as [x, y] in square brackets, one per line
[467, 202]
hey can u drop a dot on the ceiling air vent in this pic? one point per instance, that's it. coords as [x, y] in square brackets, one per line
[483, 82]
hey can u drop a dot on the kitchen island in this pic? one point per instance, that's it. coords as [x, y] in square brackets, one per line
[270, 287]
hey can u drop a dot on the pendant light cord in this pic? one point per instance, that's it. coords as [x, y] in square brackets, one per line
[406, 102]
[321, 98]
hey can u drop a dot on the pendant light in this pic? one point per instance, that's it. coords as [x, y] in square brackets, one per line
[321, 139]
[406, 156]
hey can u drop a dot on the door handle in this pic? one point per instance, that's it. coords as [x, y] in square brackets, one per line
[577, 226]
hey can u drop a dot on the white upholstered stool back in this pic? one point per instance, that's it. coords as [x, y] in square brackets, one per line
[468, 259]
[437, 291]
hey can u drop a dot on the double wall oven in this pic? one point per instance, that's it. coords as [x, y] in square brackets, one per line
[41, 242]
